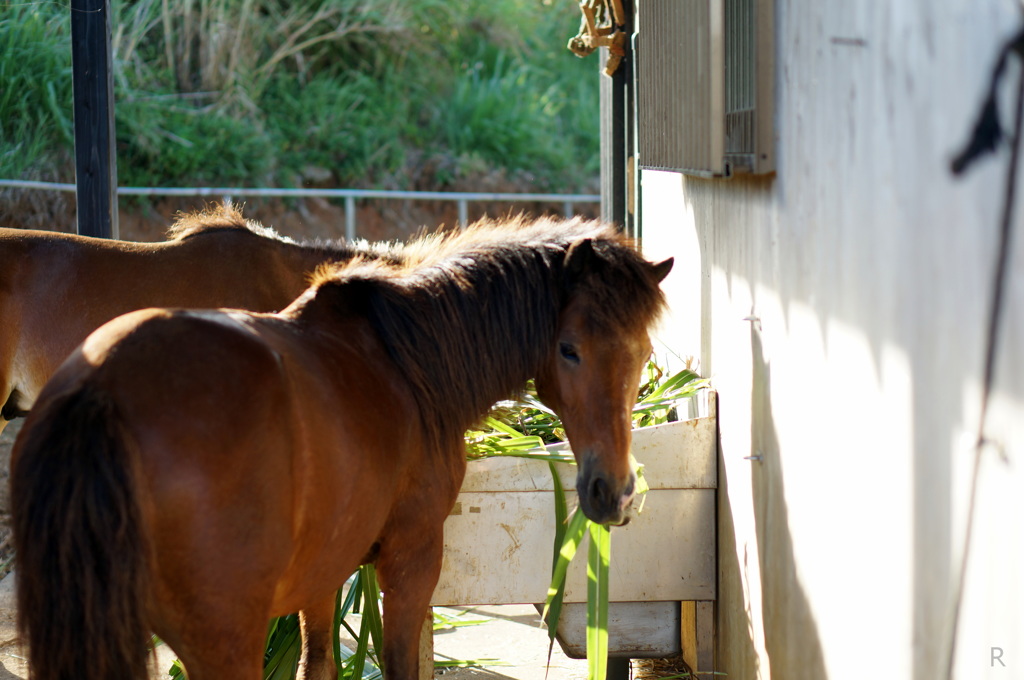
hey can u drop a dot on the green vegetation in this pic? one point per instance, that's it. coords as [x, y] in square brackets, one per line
[413, 94]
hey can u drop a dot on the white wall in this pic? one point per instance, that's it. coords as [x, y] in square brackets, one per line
[869, 268]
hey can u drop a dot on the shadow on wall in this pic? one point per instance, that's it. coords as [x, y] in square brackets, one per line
[743, 660]
[790, 631]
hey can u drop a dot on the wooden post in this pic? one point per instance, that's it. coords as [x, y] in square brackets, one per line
[697, 633]
[95, 158]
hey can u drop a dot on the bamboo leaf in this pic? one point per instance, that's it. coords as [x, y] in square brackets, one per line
[599, 555]
[573, 535]
[499, 426]
[444, 622]
[676, 384]
[354, 669]
[283, 648]
[468, 663]
[342, 607]
[549, 456]
[561, 511]
[371, 601]
[561, 516]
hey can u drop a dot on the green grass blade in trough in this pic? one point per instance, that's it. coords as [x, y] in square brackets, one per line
[342, 607]
[561, 512]
[283, 648]
[599, 556]
[573, 535]
[678, 385]
[353, 670]
[561, 517]
[371, 608]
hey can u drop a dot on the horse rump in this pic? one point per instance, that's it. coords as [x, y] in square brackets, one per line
[81, 584]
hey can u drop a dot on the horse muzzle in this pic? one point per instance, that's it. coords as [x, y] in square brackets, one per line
[602, 500]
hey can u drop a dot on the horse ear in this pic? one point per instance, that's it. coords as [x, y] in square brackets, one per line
[578, 259]
[661, 269]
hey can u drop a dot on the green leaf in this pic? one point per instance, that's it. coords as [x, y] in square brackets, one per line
[573, 535]
[642, 487]
[283, 648]
[444, 622]
[561, 511]
[468, 663]
[341, 608]
[371, 609]
[357, 662]
[599, 555]
[561, 515]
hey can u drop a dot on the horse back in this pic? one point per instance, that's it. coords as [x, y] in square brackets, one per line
[57, 288]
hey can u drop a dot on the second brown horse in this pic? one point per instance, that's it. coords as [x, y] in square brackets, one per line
[57, 288]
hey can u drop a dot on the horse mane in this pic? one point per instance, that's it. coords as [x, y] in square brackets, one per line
[506, 281]
[217, 216]
[221, 216]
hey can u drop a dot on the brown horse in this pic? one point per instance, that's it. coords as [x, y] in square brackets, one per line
[194, 473]
[57, 288]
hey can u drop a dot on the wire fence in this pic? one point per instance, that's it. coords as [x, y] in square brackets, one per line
[462, 199]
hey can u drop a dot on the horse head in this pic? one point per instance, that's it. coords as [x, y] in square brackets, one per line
[592, 375]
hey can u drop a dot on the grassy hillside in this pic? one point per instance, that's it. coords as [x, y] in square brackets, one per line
[383, 93]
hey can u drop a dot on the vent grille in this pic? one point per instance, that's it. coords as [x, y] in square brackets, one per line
[704, 86]
[740, 86]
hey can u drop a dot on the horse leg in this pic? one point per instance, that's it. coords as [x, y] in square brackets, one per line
[409, 566]
[317, 622]
[219, 647]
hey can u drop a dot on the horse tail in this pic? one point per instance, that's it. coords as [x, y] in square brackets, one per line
[81, 549]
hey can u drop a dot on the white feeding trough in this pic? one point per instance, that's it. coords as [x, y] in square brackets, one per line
[499, 543]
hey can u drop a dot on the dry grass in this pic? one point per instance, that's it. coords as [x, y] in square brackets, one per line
[211, 47]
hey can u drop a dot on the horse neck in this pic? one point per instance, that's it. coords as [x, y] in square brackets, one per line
[480, 334]
[463, 337]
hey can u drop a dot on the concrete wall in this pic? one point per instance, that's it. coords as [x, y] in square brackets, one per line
[869, 269]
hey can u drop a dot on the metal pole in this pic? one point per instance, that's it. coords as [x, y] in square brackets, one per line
[93, 84]
[463, 213]
[616, 114]
[350, 218]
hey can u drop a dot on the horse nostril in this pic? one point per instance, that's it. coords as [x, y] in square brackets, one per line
[601, 501]
[600, 494]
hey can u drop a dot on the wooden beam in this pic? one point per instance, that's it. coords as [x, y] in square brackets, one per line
[93, 84]
[697, 635]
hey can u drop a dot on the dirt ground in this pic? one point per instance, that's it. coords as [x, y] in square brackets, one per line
[12, 664]
[6, 549]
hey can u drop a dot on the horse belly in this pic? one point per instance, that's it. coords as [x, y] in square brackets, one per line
[360, 450]
[345, 508]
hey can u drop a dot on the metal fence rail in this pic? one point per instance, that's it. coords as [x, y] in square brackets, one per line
[568, 201]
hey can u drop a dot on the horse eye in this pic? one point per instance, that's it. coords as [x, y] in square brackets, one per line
[568, 353]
